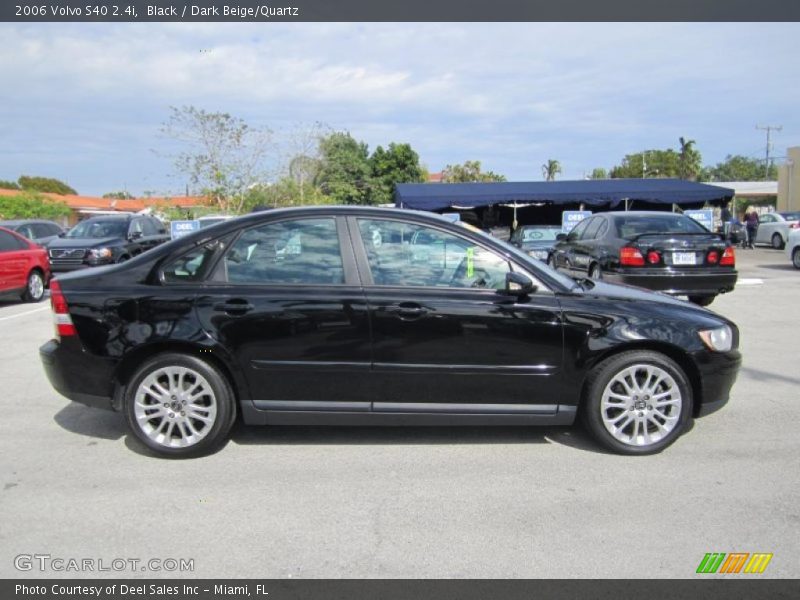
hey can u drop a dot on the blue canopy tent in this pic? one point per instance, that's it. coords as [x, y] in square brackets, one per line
[593, 193]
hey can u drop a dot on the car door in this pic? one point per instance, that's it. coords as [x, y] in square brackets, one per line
[585, 248]
[286, 302]
[564, 253]
[767, 225]
[445, 339]
[13, 262]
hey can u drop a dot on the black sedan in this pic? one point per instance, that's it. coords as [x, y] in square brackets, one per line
[330, 315]
[666, 252]
[537, 241]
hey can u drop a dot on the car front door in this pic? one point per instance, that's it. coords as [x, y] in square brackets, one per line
[766, 227]
[565, 251]
[13, 262]
[286, 302]
[445, 337]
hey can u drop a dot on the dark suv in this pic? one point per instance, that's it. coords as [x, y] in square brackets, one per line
[105, 240]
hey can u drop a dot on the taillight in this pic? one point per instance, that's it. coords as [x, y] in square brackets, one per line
[728, 257]
[653, 257]
[794, 225]
[713, 257]
[630, 257]
[61, 318]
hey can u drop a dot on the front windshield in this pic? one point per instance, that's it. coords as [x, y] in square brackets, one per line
[100, 228]
[539, 234]
[632, 225]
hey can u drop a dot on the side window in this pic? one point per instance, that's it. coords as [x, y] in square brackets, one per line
[8, 242]
[40, 230]
[767, 218]
[148, 228]
[404, 254]
[135, 227]
[159, 227]
[592, 229]
[302, 251]
[192, 266]
[577, 231]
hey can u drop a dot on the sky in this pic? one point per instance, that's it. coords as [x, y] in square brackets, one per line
[85, 102]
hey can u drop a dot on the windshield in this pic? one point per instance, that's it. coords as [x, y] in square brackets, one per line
[101, 228]
[633, 225]
[539, 234]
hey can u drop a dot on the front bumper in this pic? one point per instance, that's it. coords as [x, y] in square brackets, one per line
[77, 375]
[705, 282]
[718, 372]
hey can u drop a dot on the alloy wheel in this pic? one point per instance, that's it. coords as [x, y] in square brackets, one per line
[35, 286]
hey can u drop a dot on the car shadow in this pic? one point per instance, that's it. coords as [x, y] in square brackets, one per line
[111, 426]
[760, 375]
[779, 267]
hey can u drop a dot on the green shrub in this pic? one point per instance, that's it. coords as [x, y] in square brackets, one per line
[30, 205]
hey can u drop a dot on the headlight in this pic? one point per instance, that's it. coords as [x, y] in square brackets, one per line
[100, 253]
[718, 340]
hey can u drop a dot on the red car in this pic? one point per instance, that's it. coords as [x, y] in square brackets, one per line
[24, 267]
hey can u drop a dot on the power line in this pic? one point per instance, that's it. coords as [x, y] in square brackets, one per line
[769, 129]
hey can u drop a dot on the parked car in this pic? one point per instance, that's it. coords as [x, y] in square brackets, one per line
[666, 252]
[355, 329]
[105, 240]
[793, 248]
[773, 228]
[37, 230]
[24, 269]
[537, 240]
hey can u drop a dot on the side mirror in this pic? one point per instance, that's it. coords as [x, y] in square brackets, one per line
[561, 237]
[134, 235]
[62, 234]
[518, 285]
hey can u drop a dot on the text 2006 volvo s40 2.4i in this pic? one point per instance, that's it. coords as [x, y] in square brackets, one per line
[359, 316]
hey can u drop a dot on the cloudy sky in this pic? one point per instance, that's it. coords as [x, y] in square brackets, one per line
[84, 102]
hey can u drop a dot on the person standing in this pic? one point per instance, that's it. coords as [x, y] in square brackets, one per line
[725, 217]
[751, 223]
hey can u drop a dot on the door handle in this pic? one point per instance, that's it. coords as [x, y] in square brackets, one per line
[408, 310]
[234, 307]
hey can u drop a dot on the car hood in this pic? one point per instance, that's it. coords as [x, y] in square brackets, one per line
[620, 291]
[82, 242]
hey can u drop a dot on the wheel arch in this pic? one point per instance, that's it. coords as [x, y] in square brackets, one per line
[677, 354]
[136, 357]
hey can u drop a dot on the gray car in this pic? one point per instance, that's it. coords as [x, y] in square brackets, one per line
[38, 231]
[774, 228]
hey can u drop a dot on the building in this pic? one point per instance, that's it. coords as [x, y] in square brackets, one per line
[789, 181]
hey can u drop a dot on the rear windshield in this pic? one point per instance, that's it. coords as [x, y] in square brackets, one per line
[539, 234]
[630, 226]
[790, 216]
[101, 228]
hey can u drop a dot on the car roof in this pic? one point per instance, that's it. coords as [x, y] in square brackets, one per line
[15, 222]
[641, 213]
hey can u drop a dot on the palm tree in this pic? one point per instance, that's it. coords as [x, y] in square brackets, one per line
[551, 169]
[688, 159]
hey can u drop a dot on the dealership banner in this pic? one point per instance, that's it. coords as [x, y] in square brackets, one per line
[262, 11]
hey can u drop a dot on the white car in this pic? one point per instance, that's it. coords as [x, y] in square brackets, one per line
[793, 248]
[774, 228]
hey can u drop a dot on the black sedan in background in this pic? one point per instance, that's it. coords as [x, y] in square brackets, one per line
[39, 231]
[537, 241]
[329, 315]
[659, 251]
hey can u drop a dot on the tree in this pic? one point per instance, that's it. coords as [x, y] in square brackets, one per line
[30, 205]
[224, 155]
[470, 171]
[689, 160]
[740, 168]
[284, 192]
[550, 169]
[397, 164]
[599, 173]
[650, 163]
[44, 184]
[119, 195]
[345, 173]
[9, 185]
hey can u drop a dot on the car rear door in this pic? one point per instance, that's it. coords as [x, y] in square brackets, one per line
[286, 302]
[444, 338]
[14, 258]
[564, 255]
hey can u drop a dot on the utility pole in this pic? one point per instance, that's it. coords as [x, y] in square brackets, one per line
[769, 129]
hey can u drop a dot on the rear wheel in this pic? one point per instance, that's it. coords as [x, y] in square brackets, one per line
[777, 241]
[179, 406]
[702, 300]
[34, 287]
[637, 402]
[595, 272]
[796, 257]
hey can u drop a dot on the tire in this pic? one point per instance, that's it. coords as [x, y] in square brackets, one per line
[796, 257]
[34, 287]
[551, 262]
[702, 300]
[777, 241]
[595, 272]
[122, 258]
[168, 423]
[607, 403]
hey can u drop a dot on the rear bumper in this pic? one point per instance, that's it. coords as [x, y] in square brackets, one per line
[718, 372]
[703, 282]
[76, 375]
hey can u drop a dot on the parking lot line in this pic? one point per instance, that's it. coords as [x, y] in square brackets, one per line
[27, 312]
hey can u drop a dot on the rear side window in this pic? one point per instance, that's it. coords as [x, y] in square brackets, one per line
[8, 242]
[301, 251]
[592, 229]
[148, 228]
[192, 266]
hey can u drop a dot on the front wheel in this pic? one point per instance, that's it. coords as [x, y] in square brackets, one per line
[637, 402]
[702, 300]
[796, 257]
[34, 287]
[777, 241]
[179, 406]
[595, 272]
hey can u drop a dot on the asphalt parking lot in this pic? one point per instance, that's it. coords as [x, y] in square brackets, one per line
[413, 502]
